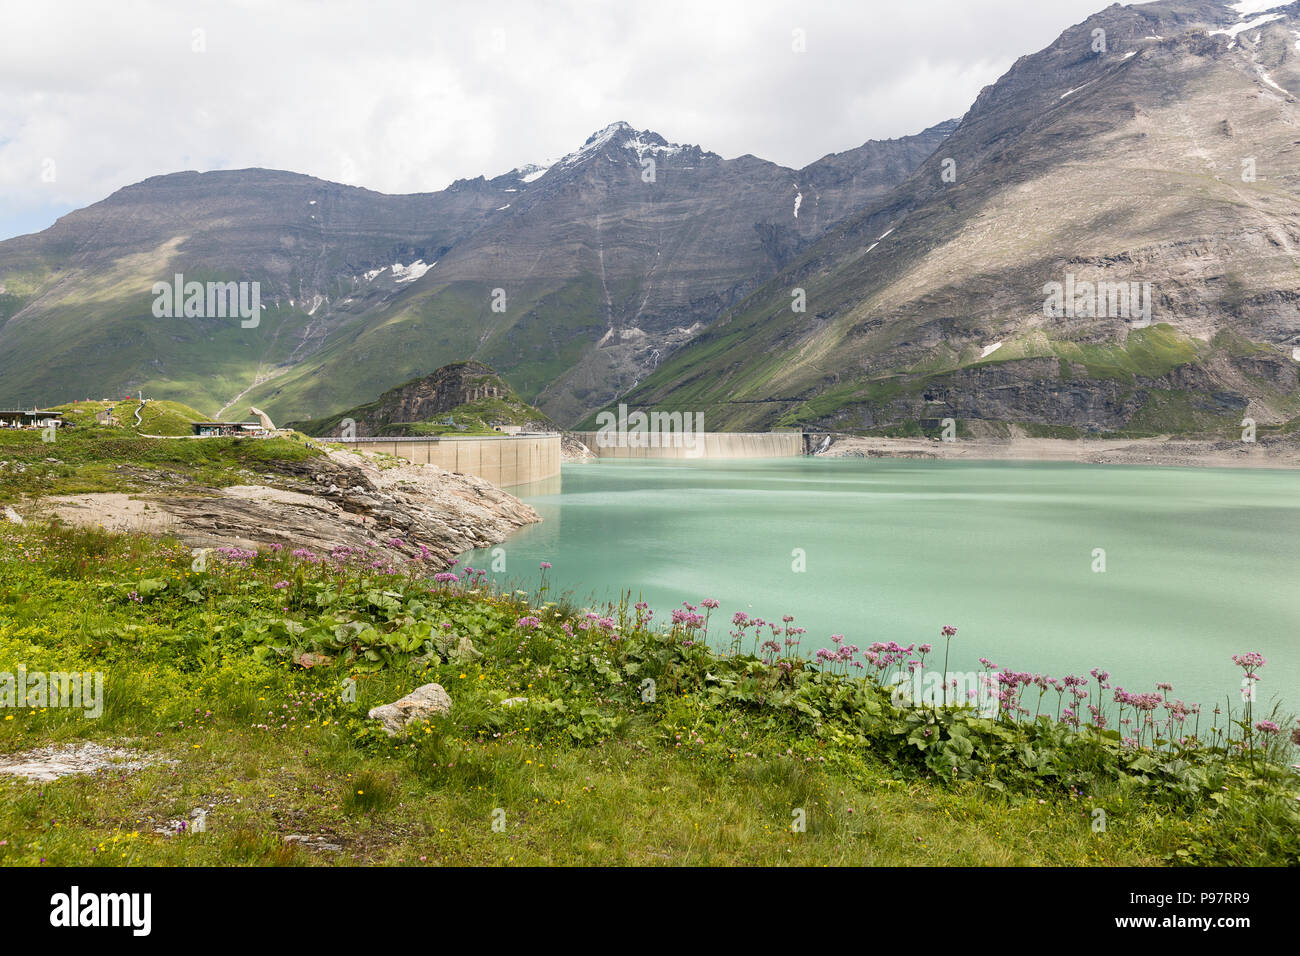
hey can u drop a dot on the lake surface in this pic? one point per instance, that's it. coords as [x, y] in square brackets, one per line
[1199, 563]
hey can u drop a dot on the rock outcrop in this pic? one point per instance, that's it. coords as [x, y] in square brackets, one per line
[573, 450]
[336, 500]
[466, 391]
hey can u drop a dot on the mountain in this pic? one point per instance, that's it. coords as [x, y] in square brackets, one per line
[1162, 161]
[464, 397]
[605, 261]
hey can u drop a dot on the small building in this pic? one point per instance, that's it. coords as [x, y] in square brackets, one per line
[17, 418]
[509, 429]
[248, 429]
[212, 429]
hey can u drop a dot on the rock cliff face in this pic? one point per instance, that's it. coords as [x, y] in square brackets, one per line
[343, 500]
[468, 392]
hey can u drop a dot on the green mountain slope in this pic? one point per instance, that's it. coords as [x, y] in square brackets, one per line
[77, 302]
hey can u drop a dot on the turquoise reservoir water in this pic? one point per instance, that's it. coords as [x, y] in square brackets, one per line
[1199, 563]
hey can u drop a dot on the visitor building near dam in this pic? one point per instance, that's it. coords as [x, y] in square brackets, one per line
[30, 418]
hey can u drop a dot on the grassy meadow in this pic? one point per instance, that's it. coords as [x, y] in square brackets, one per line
[246, 678]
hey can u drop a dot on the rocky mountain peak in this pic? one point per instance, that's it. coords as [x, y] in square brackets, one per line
[602, 136]
[620, 141]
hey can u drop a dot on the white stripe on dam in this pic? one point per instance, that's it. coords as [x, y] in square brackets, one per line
[703, 445]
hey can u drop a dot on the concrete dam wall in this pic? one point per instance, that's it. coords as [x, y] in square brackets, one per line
[503, 460]
[701, 445]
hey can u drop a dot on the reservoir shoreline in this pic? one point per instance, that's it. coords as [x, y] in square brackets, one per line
[1174, 452]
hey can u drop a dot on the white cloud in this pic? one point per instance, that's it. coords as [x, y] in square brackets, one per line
[408, 96]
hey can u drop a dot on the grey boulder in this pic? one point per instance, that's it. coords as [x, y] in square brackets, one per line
[423, 703]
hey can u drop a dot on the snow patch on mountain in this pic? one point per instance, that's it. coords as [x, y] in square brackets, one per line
[1245, 8]
[1078, 88]
[1263, 75]
[1237, 28]
[642, 146]
[410, 273]
[532, 172]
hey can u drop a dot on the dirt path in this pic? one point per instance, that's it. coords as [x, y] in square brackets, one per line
[259, 379]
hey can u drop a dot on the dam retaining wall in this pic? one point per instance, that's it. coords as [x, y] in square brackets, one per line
[703, 445]
[504, 460]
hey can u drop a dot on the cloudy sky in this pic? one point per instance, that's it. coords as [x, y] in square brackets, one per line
[409, 96]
